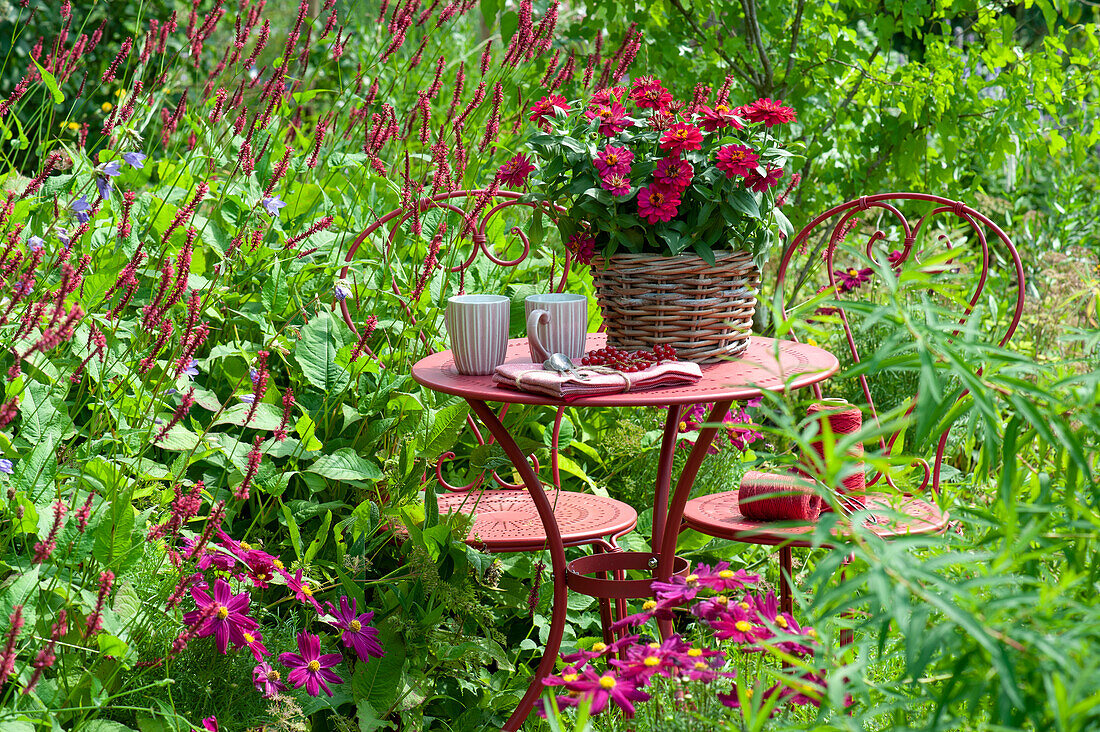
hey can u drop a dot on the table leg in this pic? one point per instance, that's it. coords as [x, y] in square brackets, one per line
[664, 474]
[786, 580]
[671, 528]
[557, 559]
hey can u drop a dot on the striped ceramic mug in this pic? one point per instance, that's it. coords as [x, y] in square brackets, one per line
[478, 327]
[556, 323]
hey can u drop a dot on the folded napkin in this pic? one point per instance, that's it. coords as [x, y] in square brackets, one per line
[777, 497]
[529, 376]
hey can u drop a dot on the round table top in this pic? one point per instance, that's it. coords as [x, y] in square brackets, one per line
[766, 365]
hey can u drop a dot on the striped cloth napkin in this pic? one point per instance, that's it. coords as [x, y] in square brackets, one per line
[531, 377]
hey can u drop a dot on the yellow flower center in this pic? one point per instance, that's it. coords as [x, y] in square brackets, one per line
[246, 546]
[277, 564]
[607, 682]
[681, 134]
[249, 638]
[853, 272]
[74, 126]
[743, 625]
[721, 108]
[695, 652]
[656, 198]
[306, 590]
[107, 106]
[649, 604]
[722, 600]
[273, 675]
[611, 159]
[654, 646]
[314, 666]
[222, 613]
[683, 426]
[652, 661]
[700, 665]
[781, 621]
[599, 646]
[811, 632]
[748, 693]
[691, 579]
[743, 605]
[569, 677]
[355, 626]
[726, 574]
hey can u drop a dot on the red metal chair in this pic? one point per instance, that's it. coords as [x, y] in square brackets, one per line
[914, 512]
[504, 519]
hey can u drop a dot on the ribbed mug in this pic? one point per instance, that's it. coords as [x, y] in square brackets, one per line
[478, 328]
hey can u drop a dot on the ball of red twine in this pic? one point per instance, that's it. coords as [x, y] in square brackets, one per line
[777, 497]
[842, 419]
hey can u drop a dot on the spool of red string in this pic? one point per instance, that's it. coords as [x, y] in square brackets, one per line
[841, 418]
[777, 497]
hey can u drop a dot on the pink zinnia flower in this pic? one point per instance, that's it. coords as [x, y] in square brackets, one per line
[613, 119]
[736, 160]
[681, 137]
[649, 93]
[582, 246]
[543, 109]
[267, 680]
[769, 111]
[657, 204]
[616, 184]
[309, 667]
[604, 97]
[515, 171]
[672, 172]
[761, 183]
[227, 621]
[719, 116]
[357, 634]
[612, 160]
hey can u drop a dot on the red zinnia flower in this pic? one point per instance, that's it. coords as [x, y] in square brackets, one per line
[612, 160]
[613, 119]
[543, 110]
[769, 111]
[604, 97]
[616, 184]
[309, 667]
[737, 160]
[227, 620]
[582, 246]
[681, 137]
[657, 204]
[761, 183]
[515, 171]
[649, 93]
[719, 116]
[673, 172]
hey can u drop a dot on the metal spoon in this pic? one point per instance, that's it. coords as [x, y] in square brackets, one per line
[561, 363]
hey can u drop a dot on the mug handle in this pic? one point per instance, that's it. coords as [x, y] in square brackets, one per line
[538, 320]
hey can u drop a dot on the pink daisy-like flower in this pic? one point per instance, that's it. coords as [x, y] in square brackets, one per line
[302, 589]
[660, 609]
[225, 614]
[604, 688]
[616, 184]
[598, 649]
[761, 183]
[736, 160]
[582, 246]
[357, 633]
[672, 172]
[769, 111]
[721, 578]
[657, 204]
[718, 117]
[680, 138]
[309, 667]
[267, 680]
[646, 661]
[253, 640]
[210, 724]
[613, 119]
[649, 93]
[613, 160]
[739, 625]
[514, 172]
[543, 110]
[677, 589]
[852, 278]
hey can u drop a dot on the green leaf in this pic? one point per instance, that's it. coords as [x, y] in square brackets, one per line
[51, 83]
[267, 416]
[275, 292]
[319, 538]
[112, 539]
[444, 429]
[345, 464]
[292, 528]
[379, 679]
[316, 352]
[22, 590]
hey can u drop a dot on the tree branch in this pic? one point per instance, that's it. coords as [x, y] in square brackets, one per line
[796, 28]
[746, 75]
[752, 25]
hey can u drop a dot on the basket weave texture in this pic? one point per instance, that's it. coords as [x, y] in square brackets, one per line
[704, 311]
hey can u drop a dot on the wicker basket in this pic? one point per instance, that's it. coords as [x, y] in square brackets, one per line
[705, 311]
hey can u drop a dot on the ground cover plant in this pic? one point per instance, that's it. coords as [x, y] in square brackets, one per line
[212, 487]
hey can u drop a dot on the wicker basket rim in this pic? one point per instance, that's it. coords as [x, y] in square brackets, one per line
[644, 256]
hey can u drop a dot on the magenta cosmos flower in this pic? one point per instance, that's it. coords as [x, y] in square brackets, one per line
[604, 688]
[226, 620]
[254, 641]
[357, 634]
[769, 111]
[761, 183]
[672, 172]
[613, 119]
[613, 160]
[852, 278]
[302, 589]
[657, 204]
[515, 171]
[616, 184]
[681, 137]
[737, 160]
[309, 667]
[721, 578]
[267, 680]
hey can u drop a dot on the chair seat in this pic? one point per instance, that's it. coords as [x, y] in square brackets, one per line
[507, 521]
[718, 515]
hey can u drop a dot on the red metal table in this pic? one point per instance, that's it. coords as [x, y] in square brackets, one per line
[766, 365]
